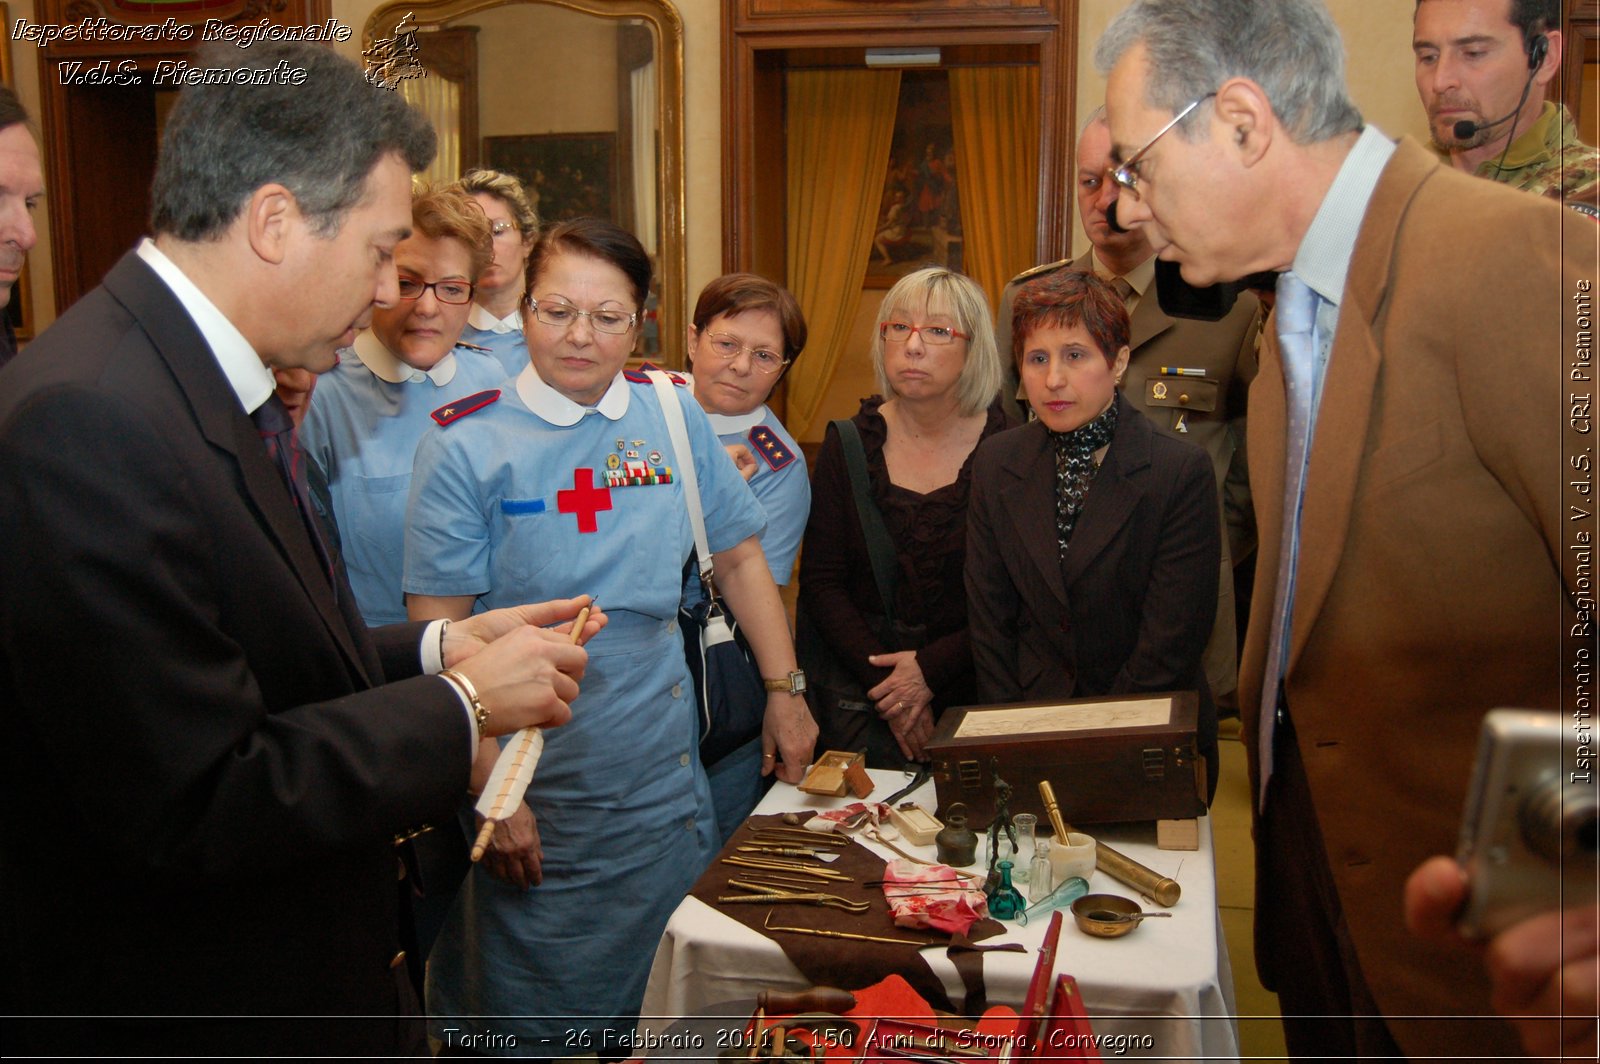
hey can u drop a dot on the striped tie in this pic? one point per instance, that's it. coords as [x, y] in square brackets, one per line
[277, 433]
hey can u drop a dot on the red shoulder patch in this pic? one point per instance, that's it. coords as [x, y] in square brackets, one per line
[450, 413]
[770, 446]
[638, 376]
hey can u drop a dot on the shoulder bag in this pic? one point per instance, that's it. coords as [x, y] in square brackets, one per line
[727, 682]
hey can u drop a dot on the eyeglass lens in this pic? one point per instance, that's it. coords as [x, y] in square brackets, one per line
[455, 292]
[563, 315]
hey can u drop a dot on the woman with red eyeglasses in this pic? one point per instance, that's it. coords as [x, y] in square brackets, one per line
[885, 647]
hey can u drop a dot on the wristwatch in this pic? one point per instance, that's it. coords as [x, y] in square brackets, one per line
[794, 683]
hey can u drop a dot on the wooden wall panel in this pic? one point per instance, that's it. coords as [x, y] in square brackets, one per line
[101, 139]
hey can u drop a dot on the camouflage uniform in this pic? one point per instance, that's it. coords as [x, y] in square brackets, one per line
[1550, 160]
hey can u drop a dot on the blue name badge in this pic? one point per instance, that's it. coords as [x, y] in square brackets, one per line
[522, 506]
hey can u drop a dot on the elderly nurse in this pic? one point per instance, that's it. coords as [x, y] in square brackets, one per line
[537, 488]
[745, 334]
[368, 413]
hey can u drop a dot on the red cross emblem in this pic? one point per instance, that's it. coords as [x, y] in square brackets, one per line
[584, 499]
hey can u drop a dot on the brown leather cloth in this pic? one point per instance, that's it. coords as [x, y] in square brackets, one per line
[849, 964]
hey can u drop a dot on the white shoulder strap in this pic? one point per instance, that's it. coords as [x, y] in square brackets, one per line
[683, 462]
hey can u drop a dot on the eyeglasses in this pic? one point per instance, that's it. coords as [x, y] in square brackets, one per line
[563, 315]
[1127, 175]
[502, 228]
[898, 332]
[762, 360]
[455, 292]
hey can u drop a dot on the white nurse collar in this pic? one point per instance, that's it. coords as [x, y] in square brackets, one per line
[386, 367]
[562, 412]
[482, 320]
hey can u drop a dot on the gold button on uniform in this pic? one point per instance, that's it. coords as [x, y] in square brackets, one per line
[399, 959]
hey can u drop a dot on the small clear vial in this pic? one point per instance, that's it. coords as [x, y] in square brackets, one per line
[1027, 825]
[1039, 873]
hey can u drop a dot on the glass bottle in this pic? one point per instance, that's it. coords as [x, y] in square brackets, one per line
[1039, 873]
[1005, 901]
[1026, 825]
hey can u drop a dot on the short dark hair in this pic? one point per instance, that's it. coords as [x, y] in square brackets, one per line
[1067, 298]
[320, 138]
[735, 293]
[1532, 17]
[12, 113]
[595, 238]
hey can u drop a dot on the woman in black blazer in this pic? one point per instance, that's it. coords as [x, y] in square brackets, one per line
[1092, 541]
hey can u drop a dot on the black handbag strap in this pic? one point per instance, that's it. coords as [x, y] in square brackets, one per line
[880, 548]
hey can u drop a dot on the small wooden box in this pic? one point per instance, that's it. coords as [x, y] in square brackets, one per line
[837, 773]
[1108, 759]
[917, 824]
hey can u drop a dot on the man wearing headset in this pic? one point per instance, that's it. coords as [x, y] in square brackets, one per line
[1482, 68]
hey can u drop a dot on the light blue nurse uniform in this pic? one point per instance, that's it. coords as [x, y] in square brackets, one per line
[501, 337]
[362, 428]
[531, 498]
[782, 488]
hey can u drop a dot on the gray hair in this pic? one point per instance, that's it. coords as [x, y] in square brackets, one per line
[945, 291]
[319, 136]
[1291, 48]
[1097, 115]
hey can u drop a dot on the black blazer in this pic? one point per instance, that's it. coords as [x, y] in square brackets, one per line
[1131, 606]
[202, 777]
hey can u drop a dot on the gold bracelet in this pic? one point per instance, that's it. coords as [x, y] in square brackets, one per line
[480, 712]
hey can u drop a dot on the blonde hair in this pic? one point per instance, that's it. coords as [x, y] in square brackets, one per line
[508, 190]
[449, 213]
[947, 291]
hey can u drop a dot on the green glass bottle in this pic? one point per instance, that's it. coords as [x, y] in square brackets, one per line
[1005, 900]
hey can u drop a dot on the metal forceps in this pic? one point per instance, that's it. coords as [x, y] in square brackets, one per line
[760, 892]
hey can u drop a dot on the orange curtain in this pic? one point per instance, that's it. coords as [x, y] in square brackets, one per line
[994, 117]
[839, 127]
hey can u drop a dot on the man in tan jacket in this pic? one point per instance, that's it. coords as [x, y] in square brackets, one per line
[1410, 436]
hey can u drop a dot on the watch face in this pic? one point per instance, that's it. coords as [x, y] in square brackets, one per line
[797, 682]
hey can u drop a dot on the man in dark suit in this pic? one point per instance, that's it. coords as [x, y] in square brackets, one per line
[1410, 438]
[21, 188]
[1189, 378]
[207, 755]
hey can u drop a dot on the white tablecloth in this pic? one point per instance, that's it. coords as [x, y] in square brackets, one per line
[1166, 990]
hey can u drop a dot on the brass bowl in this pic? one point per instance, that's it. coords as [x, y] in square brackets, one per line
[1090, 912]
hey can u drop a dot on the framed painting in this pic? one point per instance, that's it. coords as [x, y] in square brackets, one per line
[567, 175]
[919, 217]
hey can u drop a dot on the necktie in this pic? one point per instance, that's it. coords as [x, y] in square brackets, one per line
[1123, 289]
[277, 433]
[1297, 346]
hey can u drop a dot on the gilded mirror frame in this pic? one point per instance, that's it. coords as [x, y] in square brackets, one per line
[671, 260]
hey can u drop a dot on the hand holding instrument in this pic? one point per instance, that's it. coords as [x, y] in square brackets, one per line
[513, 769]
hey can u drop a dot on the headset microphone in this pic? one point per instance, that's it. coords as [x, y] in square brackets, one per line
[1467, 127]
